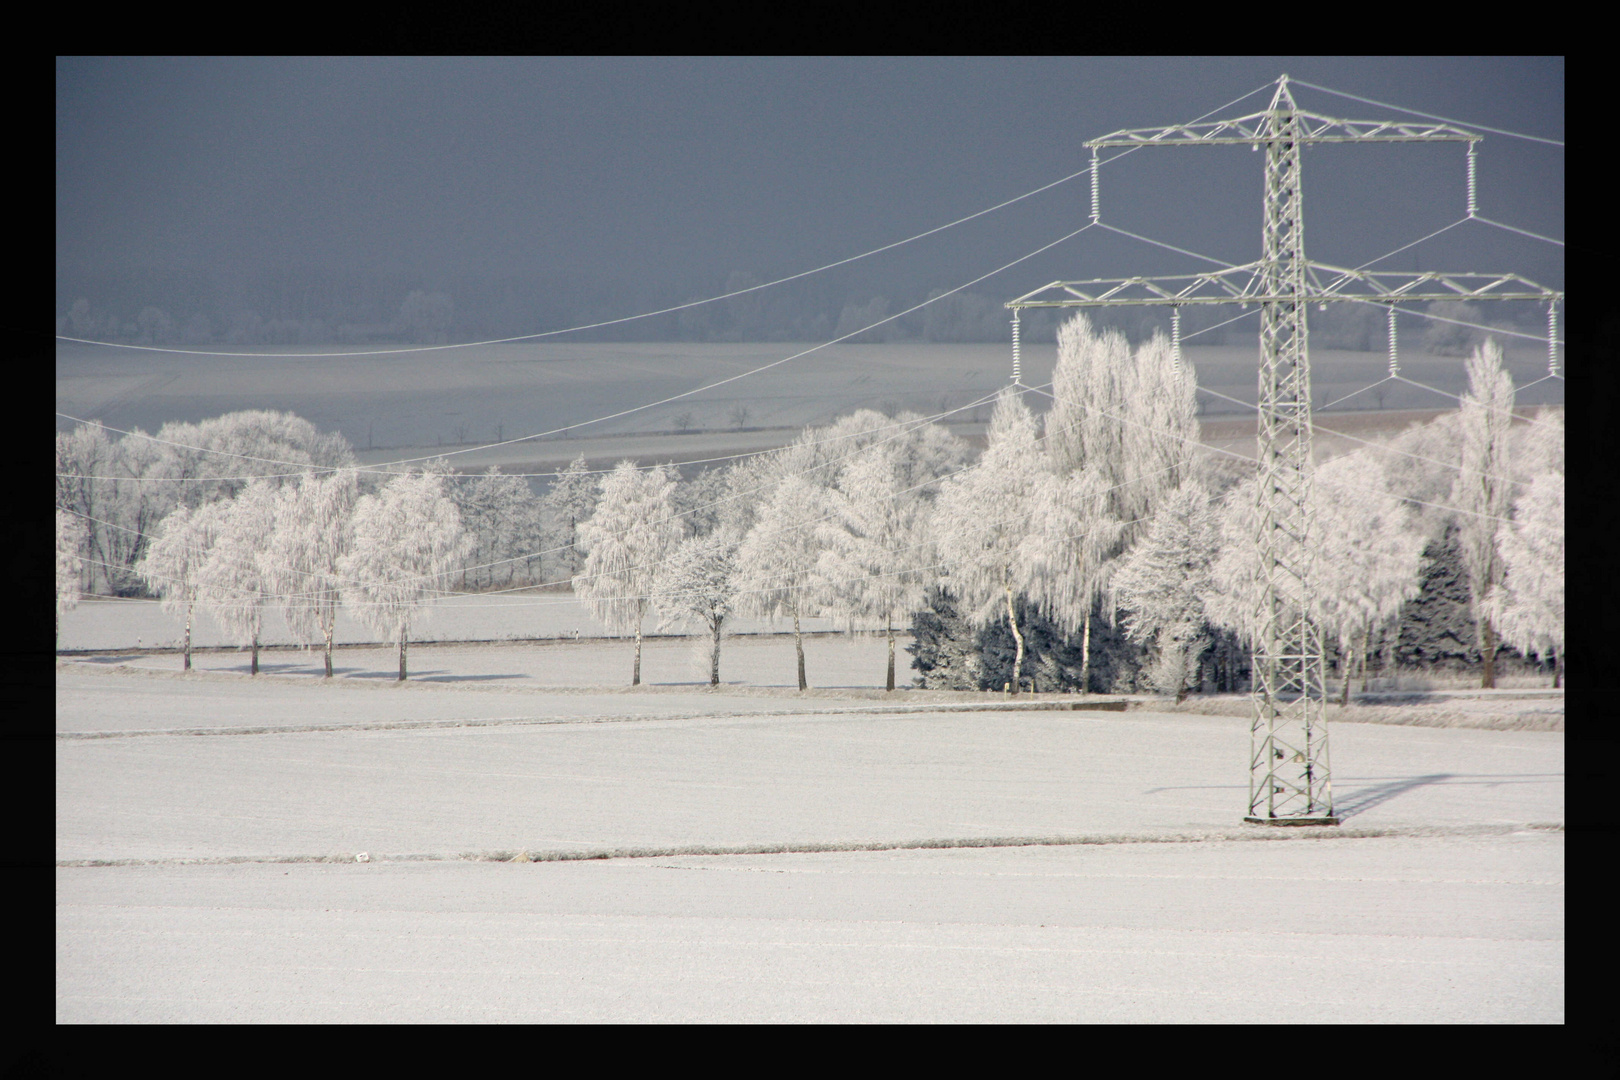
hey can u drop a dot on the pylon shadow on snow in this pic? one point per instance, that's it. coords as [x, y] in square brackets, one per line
[1367, 798]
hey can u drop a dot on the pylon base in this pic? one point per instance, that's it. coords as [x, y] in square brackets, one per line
[1291, 820]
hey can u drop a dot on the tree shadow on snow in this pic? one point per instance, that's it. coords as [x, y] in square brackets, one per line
[465, 678]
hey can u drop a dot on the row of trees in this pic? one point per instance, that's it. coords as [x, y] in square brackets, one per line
[1101, 510]
[1107, 512]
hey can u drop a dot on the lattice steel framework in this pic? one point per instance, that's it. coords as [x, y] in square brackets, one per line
[1290, 781]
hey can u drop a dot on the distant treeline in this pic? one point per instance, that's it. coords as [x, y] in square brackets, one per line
[506, 308]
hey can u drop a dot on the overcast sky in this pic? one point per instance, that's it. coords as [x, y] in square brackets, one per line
[657, 178]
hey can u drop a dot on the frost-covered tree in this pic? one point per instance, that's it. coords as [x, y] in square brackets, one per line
[984, 520]
[407, 540]
[1124, 423]
[175, 559]
[571, 500]
[216, 457]
[874, 540]
[69, 544]
[313, 531]
[1162, 582]
[698, 581]
[112, 486]
[236, 580]
[1369, 553]
[626, 539]
[1420, 466]
[501, 517]
[1071, 539]
[777, 560]
[1484, 494]
[1239, 578]
[1528, 605]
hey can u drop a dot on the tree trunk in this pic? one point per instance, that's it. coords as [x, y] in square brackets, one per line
[714, 655]
[1366, 654]
[1487, 653]
[403, 636]
[331, 620]
[188, 635]
[1018, 657]
[255, 669]
[798, 643]
[635, 677]
[1085, 656]
[890, 685]
[1558, 668]
[1348, 661]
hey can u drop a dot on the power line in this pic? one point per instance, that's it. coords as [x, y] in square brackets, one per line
[1429, 116]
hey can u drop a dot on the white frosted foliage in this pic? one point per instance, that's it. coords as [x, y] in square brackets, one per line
[1368, 552]
[407, 539]
[70, 534]
[626, 539]
[236, 580]
[698, 583]
[313, 531]
[1484, 489]
[1528, 606]
[985, 521]
[1162, 582]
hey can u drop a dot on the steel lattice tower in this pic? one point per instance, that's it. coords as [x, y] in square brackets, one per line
[1290, 781]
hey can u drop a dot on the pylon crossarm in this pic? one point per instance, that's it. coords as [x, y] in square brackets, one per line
[1347, 284]
[1324, 283]
[1255, 129]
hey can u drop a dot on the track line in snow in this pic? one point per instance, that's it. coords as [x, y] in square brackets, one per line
[813, 847]
[506, 721]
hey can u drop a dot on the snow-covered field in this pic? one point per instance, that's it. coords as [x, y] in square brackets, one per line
[105, 623]
[1143, 898]
[476, 395]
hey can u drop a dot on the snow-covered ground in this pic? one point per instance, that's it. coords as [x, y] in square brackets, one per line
[1448, 907]
[105, 623]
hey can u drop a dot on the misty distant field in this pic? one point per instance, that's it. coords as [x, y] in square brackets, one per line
[462, 397]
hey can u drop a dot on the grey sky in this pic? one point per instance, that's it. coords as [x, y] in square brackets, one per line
[651, 180]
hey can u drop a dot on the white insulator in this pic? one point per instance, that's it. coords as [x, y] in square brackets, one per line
[1472, 185]
[1394, 357]
[1018, 360]
[1096, 197]
[1552, 338]
[1175, 339]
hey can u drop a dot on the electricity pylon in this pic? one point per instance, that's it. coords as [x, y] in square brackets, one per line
[1290, 781]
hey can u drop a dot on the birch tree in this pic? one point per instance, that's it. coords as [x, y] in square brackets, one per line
[236, 580]
[984, 518]
[313, 531]
[1129, 421]
[1483, 493]
[632, 530]
[777, 560]
[407, 540]
[1369, 553]
[174, 561]
[1528, 605]
[698, 582]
